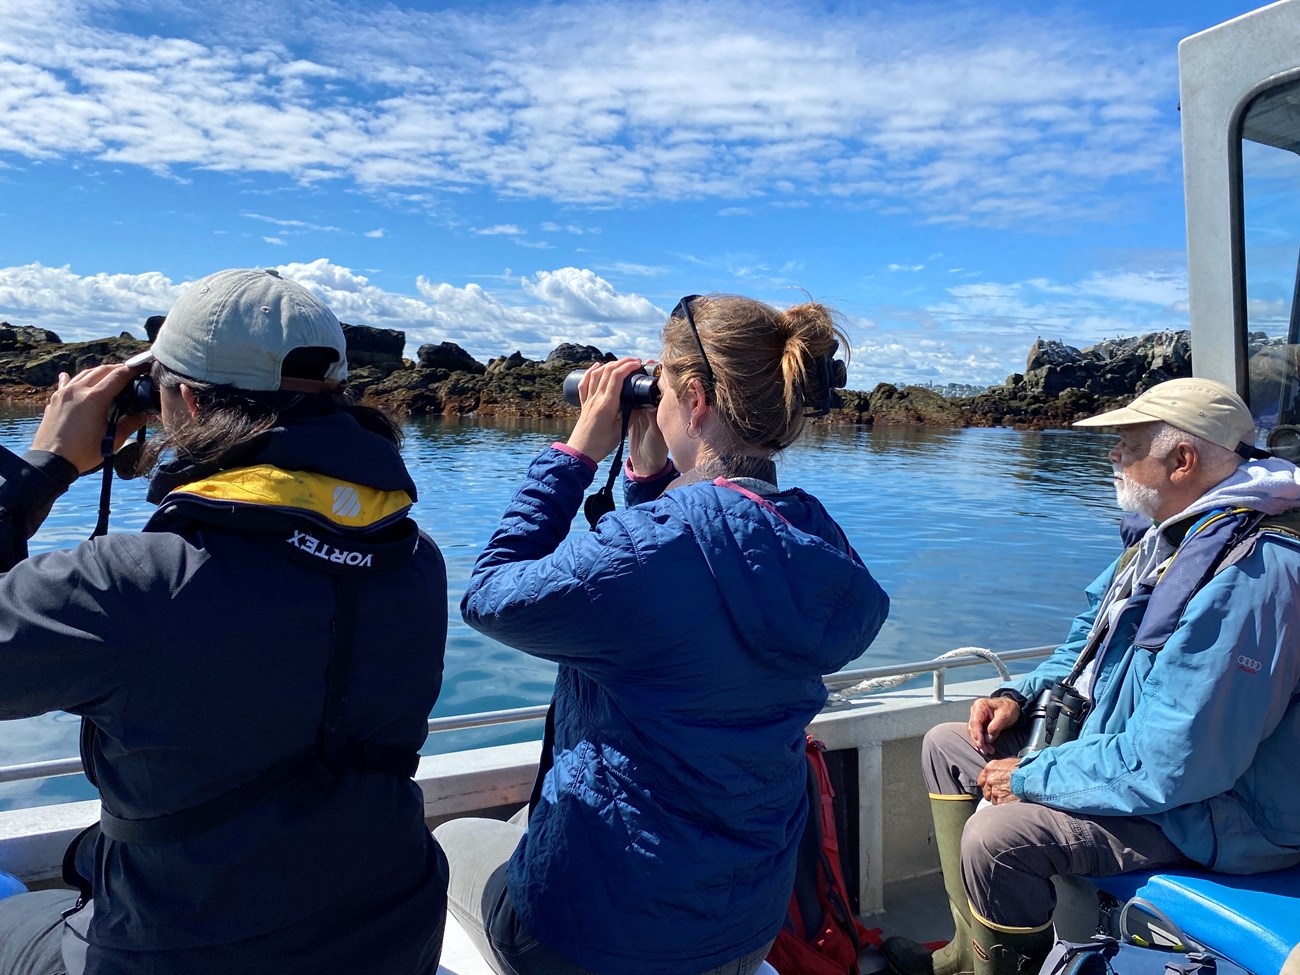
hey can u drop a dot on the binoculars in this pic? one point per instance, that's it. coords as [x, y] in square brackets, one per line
[639, 389]
[1055, 718]
[141, 394]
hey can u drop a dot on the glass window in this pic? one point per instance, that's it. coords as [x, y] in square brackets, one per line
[1270, 167]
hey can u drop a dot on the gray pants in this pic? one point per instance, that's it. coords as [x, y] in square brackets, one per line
[31, 930]
[478, 850]
[1010, 852]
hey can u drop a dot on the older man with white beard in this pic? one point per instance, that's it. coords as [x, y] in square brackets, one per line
[1187, 667]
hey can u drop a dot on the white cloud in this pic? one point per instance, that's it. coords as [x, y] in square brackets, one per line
[551, 227]
[896, 356]
[906, 267]
[274, 240]
[82, 307]
[376, 233]
[585, 295]
[290, 225]
[639, 270]
[500, 230]
[1165, 289]
[983, 330]
[963, 119]
[979, 334]
[533, 314]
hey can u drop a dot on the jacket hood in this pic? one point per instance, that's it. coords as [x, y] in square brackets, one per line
[325, 492]
[1271, 486]
[334, 445]
[788, 578]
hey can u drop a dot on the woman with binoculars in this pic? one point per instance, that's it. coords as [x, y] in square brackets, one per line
[692, 630]
[254, 670]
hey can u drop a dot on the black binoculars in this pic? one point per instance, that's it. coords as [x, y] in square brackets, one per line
[1055, 718]
[140, 396]
[639, 389]
[141, 393]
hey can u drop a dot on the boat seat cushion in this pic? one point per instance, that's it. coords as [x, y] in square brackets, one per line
[1252, 920]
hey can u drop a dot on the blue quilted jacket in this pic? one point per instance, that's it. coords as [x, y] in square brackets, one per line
[692, 632]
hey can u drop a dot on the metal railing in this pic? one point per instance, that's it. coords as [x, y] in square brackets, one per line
[484, 719]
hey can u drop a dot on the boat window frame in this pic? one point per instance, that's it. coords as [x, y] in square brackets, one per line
[1236, 224]
[1237, 220]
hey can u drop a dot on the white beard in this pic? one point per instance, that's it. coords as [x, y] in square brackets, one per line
[1137, 498]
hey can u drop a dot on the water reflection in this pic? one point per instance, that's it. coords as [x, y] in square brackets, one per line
[981, 537]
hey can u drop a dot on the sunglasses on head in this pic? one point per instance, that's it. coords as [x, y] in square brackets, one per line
[683, 310]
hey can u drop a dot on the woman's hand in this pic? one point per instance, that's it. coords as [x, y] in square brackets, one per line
[76, 417]
[600, 425]
[647, 449]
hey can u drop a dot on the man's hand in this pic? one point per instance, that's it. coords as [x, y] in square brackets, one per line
[989, 717]
[995, 779]
[77, 415]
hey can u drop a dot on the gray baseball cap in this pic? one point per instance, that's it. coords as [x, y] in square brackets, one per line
[234, 328]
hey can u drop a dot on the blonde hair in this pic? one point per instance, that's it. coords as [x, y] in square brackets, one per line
[767, 364]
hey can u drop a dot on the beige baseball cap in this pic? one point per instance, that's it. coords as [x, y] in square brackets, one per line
[1201, 407]
[234, 328]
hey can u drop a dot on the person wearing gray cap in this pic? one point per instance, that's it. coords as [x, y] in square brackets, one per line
[254, 671]
[1168, 719]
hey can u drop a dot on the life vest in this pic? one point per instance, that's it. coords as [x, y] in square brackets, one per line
[310, 519]
[1218, 540]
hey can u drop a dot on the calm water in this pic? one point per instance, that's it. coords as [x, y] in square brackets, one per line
[980, 537]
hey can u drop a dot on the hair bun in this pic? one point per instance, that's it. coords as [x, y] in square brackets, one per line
[812, 340]
[772, 368]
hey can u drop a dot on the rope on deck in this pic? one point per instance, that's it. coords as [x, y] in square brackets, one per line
[885, 683]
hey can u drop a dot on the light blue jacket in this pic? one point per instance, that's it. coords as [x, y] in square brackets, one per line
[692, 632]
[1201, 737]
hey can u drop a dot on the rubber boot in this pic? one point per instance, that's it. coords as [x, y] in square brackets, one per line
[1015, 952]
[907, 957]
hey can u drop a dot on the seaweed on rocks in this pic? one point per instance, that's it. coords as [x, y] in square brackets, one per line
[1060, 383]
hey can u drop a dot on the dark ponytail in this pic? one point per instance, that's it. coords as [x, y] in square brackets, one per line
[229, 418]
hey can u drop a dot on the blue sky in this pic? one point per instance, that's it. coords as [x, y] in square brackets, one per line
[955, 178]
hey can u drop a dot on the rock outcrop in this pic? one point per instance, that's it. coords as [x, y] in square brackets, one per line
[449, 357]
[446, 380]
[373, 354]
[32, 358]
[890, 405]
[1060, 383]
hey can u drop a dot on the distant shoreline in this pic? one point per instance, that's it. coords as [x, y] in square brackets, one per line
[1059, 385]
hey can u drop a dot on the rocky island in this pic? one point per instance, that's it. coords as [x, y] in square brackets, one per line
[1059, 384]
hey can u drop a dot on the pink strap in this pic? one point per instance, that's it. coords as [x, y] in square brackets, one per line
[758, 499]
[767, 505]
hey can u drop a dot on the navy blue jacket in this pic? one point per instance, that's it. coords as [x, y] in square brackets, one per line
[197, 649]
[692, 633]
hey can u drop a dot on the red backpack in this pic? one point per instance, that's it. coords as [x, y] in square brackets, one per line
[820, 935]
